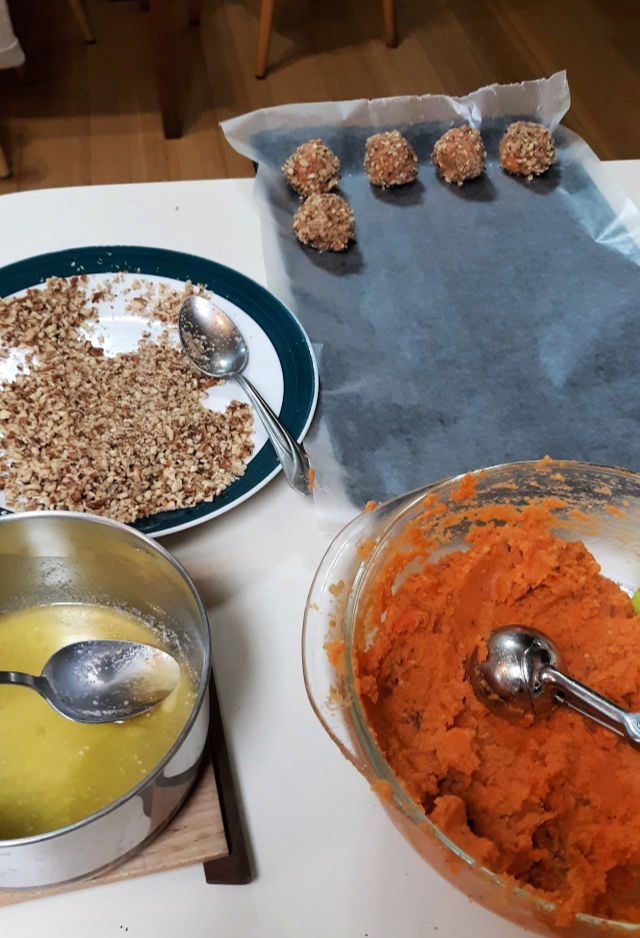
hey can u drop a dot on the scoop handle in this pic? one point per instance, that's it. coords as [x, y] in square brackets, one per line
[592, 705]
[292, 455]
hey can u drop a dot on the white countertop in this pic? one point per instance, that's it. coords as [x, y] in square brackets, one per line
[328, 861]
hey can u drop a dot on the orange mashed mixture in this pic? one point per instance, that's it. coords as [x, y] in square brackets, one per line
[554, 805]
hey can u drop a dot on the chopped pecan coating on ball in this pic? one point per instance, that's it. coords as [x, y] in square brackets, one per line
[390, 160]
[527, 149]
[460, 155]
[312, 168]
[325, 222]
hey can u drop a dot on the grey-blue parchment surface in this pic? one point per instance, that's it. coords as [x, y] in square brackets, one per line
[468, 326]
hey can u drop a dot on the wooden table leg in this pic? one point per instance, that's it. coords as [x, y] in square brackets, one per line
[164, 61]
[195, 10]
[264, 35]
[390, 31]
[5, 168]
[79, 11]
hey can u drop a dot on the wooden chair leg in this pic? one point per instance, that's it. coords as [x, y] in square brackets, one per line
[264, 35]
[195, 11]
[79, 11]
[390, 31]
[164, 61]
[5, 168]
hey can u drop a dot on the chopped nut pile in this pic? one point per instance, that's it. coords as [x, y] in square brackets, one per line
[123, 436]
[44, 319]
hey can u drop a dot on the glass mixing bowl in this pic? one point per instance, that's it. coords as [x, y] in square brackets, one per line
[596, 504]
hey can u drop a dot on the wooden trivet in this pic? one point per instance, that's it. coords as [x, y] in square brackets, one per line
[207, 829]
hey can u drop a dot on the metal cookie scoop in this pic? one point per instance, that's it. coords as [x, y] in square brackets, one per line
[102, 681]
[215, 345]
[522, 674]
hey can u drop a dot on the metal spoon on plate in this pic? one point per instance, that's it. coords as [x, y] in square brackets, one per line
[522, 674]
[215, 345]
[102, 681]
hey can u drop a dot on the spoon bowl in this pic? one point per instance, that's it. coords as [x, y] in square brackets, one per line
[211, 339]
[102, 681]
[216, 347]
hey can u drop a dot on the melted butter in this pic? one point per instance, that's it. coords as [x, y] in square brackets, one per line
[54, 772]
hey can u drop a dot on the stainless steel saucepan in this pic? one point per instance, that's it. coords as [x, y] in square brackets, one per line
[50, 557]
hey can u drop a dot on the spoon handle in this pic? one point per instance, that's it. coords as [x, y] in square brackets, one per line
[592, 705]
[18, 677]
[292, 455]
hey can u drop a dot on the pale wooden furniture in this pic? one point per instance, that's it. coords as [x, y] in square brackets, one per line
[128, 145]
[265, 24]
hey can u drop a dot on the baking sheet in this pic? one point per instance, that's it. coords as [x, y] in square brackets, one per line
[467, 326]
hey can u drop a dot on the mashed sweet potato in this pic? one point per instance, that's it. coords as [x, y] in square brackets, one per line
[555, 805]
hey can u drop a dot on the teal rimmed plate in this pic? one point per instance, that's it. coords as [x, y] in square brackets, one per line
[281, 364]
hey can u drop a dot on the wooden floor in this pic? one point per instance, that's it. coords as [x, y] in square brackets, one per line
[89, 114]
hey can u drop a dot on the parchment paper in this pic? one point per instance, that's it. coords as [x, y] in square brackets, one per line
[467, 326]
